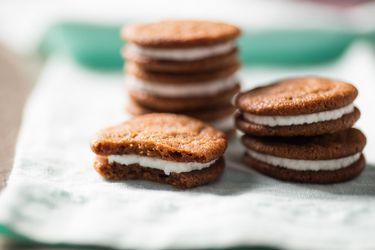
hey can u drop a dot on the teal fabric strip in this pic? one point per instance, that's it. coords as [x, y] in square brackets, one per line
[91, 45]
[21, 239]
[293, 47]
[9, 233]
[98, 46]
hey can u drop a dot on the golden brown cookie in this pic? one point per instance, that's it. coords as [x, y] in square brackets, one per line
[118, 172]
[181, 78]
[166, 142]
[330, 146]
[298, 106]
[328, 158]
[315, 177]
[193, 66]
[179, 33]
[297, 96]
[163, 104]
[317, 128]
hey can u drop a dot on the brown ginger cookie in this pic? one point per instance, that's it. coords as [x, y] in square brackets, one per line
[179, 33]
[181, 78]
[166, 142]
[184, 180]
[209, 64]
[329, 146]
[312, 129]
[314, 177]
[163, 104]
[328, 158]
[297, 106]
[165, 136]
[297, 96]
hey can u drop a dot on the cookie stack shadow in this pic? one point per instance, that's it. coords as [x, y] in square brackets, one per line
[182, 66]
[300, 130]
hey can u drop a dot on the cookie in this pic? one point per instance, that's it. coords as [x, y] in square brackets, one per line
[220, 117]
[187, 152]
[196, 66]
[297, 106]
[317, 128]
[322, 159]
[181, 46]
[182, 78]
[182, 104]
[117, 172]
[181, 92]
[313, 177]
[179, 33]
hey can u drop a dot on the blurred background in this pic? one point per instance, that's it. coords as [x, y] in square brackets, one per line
[280, 38]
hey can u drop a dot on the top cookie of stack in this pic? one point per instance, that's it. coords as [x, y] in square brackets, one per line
[301, 106]
[181, 46]
[182, 66]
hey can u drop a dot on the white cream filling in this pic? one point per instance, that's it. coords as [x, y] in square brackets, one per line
[182, 90]
[273, 121]
[166, 166]
[224, 124]
[183, 54]
[304, 165]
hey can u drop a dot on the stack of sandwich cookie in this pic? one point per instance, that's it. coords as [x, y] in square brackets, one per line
[174, 149]
[182, 66]
[299, 129]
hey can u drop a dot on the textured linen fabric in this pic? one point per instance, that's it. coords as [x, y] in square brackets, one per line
[55, 196]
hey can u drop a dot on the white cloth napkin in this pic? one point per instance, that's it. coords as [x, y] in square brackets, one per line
[55, 196]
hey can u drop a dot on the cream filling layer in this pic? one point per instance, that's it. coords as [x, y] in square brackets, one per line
[183, 54]
[182, 90]
[273, 121]
[305, 165]
[150, 162]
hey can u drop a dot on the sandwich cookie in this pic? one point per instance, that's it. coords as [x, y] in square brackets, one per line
[201, 65]
[167, 148]
[181, 92]
[220, 117]
[303, 106]
[321, 159]
[181, 45]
